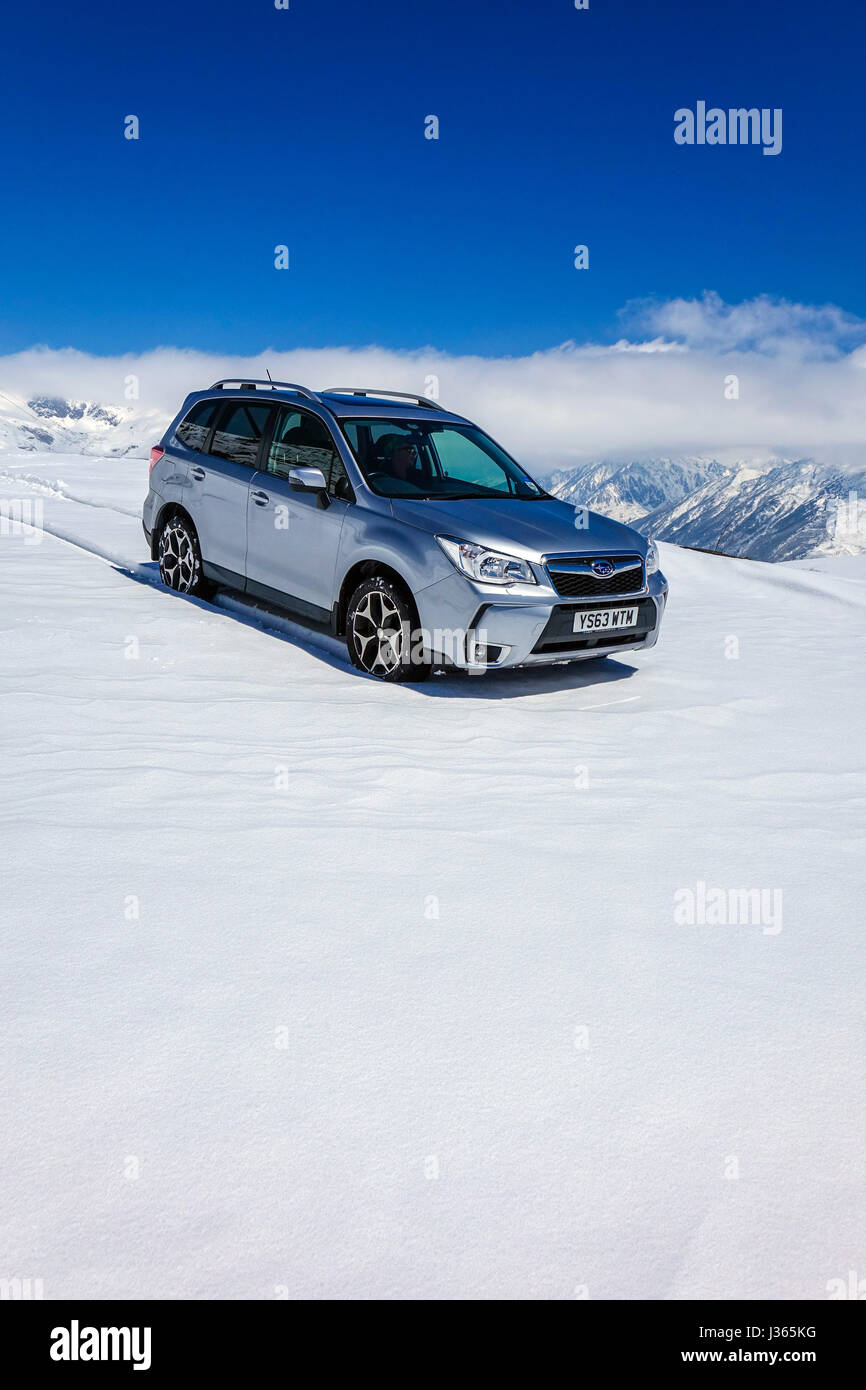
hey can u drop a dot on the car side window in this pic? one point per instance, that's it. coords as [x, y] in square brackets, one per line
[195, 428]
[241, 428]
[302, 440]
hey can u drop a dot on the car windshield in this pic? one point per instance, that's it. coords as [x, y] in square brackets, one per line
[429, 459]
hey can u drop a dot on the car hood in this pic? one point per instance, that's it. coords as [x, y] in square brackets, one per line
[525, 529]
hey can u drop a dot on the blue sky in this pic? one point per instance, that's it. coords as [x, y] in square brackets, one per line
[306, 127]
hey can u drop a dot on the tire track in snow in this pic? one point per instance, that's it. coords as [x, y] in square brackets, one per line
[86, 548]
[58, 491]
[230, 605]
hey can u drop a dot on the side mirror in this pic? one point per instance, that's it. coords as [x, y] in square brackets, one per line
[307, 480]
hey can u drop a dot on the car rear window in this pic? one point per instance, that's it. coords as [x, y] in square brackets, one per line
[196, 426]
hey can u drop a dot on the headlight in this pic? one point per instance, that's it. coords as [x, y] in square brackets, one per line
[652, 558]
[487, 566]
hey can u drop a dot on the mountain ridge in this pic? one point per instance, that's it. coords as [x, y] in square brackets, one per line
[772, 509]
[55, 424]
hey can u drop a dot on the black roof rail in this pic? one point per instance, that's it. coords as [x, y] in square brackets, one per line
[368, 391]
[238, 383]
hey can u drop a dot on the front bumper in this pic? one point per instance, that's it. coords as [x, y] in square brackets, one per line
[467, 625]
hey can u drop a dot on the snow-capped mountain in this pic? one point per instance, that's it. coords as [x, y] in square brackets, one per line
[767, 509]
[629, 491]
[792, 510]
[52, 424]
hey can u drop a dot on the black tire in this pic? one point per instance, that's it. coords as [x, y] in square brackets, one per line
[382, 632]
[179, 556]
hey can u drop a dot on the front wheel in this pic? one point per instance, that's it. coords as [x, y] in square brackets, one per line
[179, 554]
[382, 633]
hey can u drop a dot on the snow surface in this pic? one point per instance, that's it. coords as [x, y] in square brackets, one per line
[851, 567]
[242, 1055]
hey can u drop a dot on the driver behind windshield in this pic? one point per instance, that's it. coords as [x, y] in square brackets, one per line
[400, 460]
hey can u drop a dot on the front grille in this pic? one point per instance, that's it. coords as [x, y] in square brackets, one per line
[578, 581]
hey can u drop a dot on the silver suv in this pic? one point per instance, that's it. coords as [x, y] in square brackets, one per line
[402, 526]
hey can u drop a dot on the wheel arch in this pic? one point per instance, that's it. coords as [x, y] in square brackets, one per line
[167, 510]
[355, 575]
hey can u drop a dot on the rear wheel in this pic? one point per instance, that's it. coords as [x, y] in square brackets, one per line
[382, 632]
[179, 555]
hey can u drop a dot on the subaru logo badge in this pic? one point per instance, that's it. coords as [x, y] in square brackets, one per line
[602, 568]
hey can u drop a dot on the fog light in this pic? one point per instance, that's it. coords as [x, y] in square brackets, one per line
[484, 654]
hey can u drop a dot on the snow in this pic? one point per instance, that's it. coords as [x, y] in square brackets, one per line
[851, 567]
[321, 988]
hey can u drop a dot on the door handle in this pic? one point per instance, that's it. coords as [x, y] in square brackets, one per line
[198, 474]
[261, 499]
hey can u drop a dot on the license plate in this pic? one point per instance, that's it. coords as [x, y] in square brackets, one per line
[604, 619]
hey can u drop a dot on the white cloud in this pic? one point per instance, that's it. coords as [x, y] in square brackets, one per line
[774, 327]
[801, 371]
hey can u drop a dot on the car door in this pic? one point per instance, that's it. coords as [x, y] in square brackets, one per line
[294, 537]
[219, 483]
